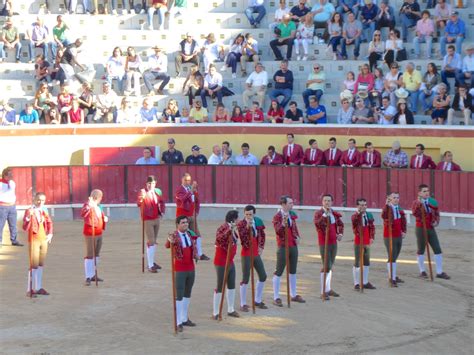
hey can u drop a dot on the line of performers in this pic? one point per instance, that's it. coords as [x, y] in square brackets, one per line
[186, 249]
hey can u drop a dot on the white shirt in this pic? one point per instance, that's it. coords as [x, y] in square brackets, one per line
[256, 2]
[279, 13]
[312, 155]
[370, 158]
[187, 48]
[395, 211]
[351, 153]
[212, 81]
[185, 240]
[214, 159]
[389, 111]
[447, 166]
[116, 66]
[160, 61]
[418, 161]
[290, 148]
[107, 100]
[257, 79]
[468, 63]
[250, 159]
[7, 192]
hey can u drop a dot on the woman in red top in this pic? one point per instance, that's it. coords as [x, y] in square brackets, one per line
[94, 225]
[76, 113]
[365, 81]
[237, 115]
[64, 102]
[226, 233]
[220, 115]
[275, 112]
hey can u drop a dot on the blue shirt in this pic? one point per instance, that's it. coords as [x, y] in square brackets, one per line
[456, 62]
[455, 29]
[29, 118]
[148, 115]
[325, 15]
[288, 84]
[313, 111]
[149, 161]
[368, 14]
[8, 116]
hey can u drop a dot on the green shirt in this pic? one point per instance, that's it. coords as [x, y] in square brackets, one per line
[59, 33]
[181, 3]
[286, 29]
[10, 34]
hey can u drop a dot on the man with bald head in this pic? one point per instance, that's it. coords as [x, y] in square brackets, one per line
[216, 156]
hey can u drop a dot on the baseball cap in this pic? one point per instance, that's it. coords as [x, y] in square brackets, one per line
[195, 148]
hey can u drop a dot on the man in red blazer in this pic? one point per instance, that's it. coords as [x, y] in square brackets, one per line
[292, 152]
[313, 155]
[371, 158]
[272, 157]
[420, 160]
[332, 155]
[447, 164]
[351, 156]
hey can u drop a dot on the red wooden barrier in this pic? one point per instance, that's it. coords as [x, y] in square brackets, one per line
[406, 181]
[202, 174]
[54, 182]
[80, 183]
[116, 155]
[24, 187]
[136, 179]
[318, 181]
[368, 183]
[275, 181]
[111, 180]
[236, 184]
[455, 191]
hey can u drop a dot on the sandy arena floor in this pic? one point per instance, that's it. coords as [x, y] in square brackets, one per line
[130, 313]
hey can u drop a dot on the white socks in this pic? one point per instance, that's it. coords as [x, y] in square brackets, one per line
[39, 279]
[230, 300]
[32, 276]
[179, 311]
[150, 253]
[293, 285]
[216, 303]
[185, 309]
[366, 275]
[322, 281]
[355, 275]
[421, 263]
[243, 294]
[199, 246]
[439, 263]
[328, 281]
[259, 292]
[89, 268]
[394, 270]
[276, 287]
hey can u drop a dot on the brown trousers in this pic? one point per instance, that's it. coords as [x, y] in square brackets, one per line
[89, 243]
[152, 227]
[39, 249]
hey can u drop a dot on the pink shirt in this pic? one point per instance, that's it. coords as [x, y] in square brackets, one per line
[425, 27]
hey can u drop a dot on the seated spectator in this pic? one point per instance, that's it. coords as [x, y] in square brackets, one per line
[385, 114]
[193, 84]
[158, 70]
[228, 158]
[279, 13]
[430, 81]
[75, 115]
[365, 81]
[212, 86]
[411, 81]
[410, 13]
[332, 155]
[447, 163]
[286, 32]
[184, 115]
[55, 71]
[351, 35]
[441, 103]
[42, 70]
[246, 158]
[126, 114]
[237, 115]
[106, 105]
[454, 32]
[188, 53]
[198, 114]
[171, 112]
[351, 157]
[452, 64]
[346, 112]
[160, 8]
[38, 36]
[59, 36]
[376, 49]
[393, 80]
[292, 153]
[254, 114]
[7, 114]
[196, 158]
[462, 106]
[28, 116]
[283, 84]
[235, 53]
[10, 39]
[304, 36]
[442, 11]
[272, 157]
[172, 155]
[424, 33]
[371, 158]
[368, 18]
[176, 8]
[212, 51]
[375, 96]
[349, 82]
[403, 116]
[313, 155]
[322, 11]
[133, 63]
[293, 114]
[64, 102]
[43, 102]
[216, 156]
[394, 49]
[385, 16]
[256, 86]
[148, 112]
[335, 34]
[115, 69]
[255, 7]
[249, 53]
[70, 60]
[396, 157]
[8, 9]
[220, 114]
[86, 102]
[299, 11]
[314, 84]
[466, 75]
[316, 113]
[54, 116]
[362, 114]
[421, 161]
[275, 113]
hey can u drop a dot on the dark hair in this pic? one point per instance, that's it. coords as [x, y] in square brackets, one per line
[433, 65]
[234, 113]
[446, 153]
[231, 216]
[422, 186]
[332, 139]
[250, 208]
[147, 148]
[180, 218]
[271, 147]
[151, 178]
[425, 12]
[38, 194]
[451, 47]
[367, 144]
[291, 135]
[293, 103]
[284, 199]
[421, 146]
[397, 33]
[340, 18]
[245, 145]
[225, 142]
[311, 141]
[328, 195]
[255, 103]
[360, 199]
[352, 140]
[240, 35]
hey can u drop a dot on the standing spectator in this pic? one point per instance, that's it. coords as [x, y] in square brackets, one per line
[316, 113]
[441, 103]
[385, 114]
[59, 36]
[7, 206]
[362, 114]
[385, 16]
[304, 36]
[292, 153]
[159, 7]
[28, 116]
[194, 84]
[376, 49]
[158, 70]
[322, 12]
[346, 112]
[279, 13]
[424, 33]
[314, 84]
[38, 37]
[411, 81]
[132, 71]
[255, 6]
[427, 90]
[454, 32]
[234, 55]
[172, 155]
[313, 155]
[371, 158]
[275, 113]
[420, 160]
[335, 33]
[196, 158]
[188, 53]
[447, 164]
[394, 50]
[220, 114]
[368, 17]
[212, 86]
[462, 106]
[198, 114]
[332, 155]
[256, 86]
[452, 64]
[69, 60]
[254, 114]
[442, 12]
[403, 116]
[351, 157]
[283, 84]
[293, 114]
[396, 157]
[115, 69]
[148, 158]
[10, 39]
[212, 51]
[246, 158]
[272, 157]
[351, 35]
[410, 13]
[249, 53]
[106, 105]
[216, 156]
[148, 112]
[286, 35]
[467, 69]
[76, 114]
[298, 12]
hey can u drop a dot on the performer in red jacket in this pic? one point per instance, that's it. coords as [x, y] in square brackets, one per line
[93, 216]
[39, 226]
[152, 206]
[188, 204]
[420, 160]
[371, 158]
[332, 155]
[313, 155]
[272, 157]
[351, 156]
[447, 164]
[292, 152]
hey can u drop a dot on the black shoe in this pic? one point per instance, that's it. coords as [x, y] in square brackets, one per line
[261, 305]
[204, 257]
[156, 266]
[399, 280]
[423, 275]
[443, 275]
[189, 323]
[87, 282]
[16, 243]
[98, 279]
[233, 314]
[333, 293]
[369, 286]
[180, 328]
[357, 287]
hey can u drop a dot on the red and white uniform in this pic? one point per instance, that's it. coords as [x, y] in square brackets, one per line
[40, 224]
[293, 233]
[431, 213]
[422, 162]
[350, 157]
[93, 216]
[368, 229]
[185, 251]
[153, 205]
[399, 221]
[246, 232]
[332, 156]
[314, 157]
[187, 202]
[336, 226]
[223, 236]
[371, 160]
[445, 166]
[293, 154]
[276, 159]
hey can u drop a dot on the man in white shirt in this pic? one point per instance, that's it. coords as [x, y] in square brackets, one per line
[147, 158]
[279, 13]
[106, 105]
[212, 85]
[386, 113]
[466, 74]
[256, 86]
[216, 156]
[158, 70]
[246, 158]
[7, 206]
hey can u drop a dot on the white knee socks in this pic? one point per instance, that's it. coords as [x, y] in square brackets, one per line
[276, 287]
[293, 285]
[230, 300]
[199, 246]
[439, 263]
[355, 275]
[421, 263]
[179, 311]
[366, 275]
[216, 303]
[259, 292]
[150, 253]
[185, 310]
[243, 294]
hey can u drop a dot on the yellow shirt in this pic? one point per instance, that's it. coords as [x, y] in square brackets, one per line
[413, 81]
[198, 115]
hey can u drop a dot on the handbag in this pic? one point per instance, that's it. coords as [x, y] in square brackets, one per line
[401, 55]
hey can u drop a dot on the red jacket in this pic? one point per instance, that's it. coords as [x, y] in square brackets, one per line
[257, 116]
[90, 217]
[376, 159]
[368, 231]
[454, 166]
[320, 223]
[431, 217]
[184, 202]
[426, 163]
[258, 239]
[399, 225]
[336, 160]
[151, 209]
[223, 235]
[354, 161]
[32, 223]
[277, 160]
[293, 234]
[183, 256]
[296, 156]
[317, 160]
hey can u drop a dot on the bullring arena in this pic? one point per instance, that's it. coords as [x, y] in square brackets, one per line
[131, 312]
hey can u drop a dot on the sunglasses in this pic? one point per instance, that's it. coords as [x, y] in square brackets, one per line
[316, 68]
